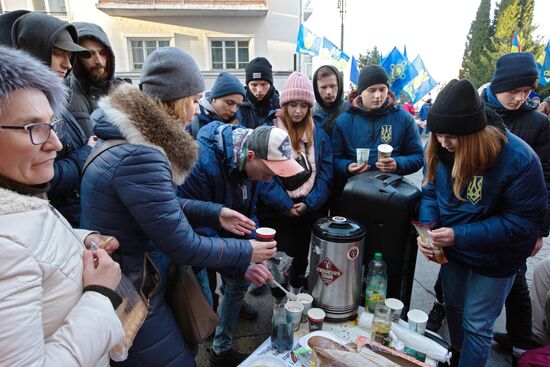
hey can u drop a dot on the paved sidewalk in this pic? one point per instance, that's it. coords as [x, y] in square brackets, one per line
[250, 334]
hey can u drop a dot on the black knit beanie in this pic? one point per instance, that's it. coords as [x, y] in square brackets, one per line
[370, 75]
[515, 70]
[259, 69]
[457, 110]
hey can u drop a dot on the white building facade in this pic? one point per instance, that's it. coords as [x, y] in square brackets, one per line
[221, 35]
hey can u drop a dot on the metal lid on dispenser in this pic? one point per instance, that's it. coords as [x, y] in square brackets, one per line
[338, 229]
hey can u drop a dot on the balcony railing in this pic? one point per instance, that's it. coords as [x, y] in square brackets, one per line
[151, 8]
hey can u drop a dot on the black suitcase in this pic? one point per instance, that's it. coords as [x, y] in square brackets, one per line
[385, 204]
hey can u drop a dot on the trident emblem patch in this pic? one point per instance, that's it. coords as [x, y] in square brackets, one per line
[385, 133]
[475, 187]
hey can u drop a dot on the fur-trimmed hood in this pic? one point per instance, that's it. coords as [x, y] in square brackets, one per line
[142, 121]
[12, 202]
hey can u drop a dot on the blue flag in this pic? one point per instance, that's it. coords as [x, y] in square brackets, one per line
[308, 42]
[422, 84]
[354, 71]
[544, 76]
[332, 52]
[399, 69]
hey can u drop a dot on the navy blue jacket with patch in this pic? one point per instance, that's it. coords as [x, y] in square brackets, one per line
[496, 226]
[359, 128]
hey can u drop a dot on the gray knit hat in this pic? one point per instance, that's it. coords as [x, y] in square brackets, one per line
[169, 74]
[19, 70]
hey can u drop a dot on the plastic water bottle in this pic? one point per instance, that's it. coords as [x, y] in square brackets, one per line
[376, 282]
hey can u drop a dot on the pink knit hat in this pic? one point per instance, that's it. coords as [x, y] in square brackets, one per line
[297, 88]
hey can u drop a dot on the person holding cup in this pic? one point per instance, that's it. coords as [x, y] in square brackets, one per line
[233, 162]
[291, 205]
[485, 192]
[129, 191]
[373, 119]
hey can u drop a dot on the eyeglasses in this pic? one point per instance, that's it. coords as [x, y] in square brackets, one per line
[39, 132]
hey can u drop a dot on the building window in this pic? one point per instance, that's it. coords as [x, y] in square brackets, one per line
[54, 7]
[141, 48]
[229, 54]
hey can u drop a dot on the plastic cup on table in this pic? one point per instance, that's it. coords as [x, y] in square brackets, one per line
[306, 300]
[417, 320]
[294, 311]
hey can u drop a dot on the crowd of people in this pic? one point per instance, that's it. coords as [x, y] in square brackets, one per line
[177, 174]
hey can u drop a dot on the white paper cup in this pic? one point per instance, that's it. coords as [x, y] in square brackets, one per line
[294, 309]
[384, 151]
[396, 307]
[306, 300]
[362, 155]
[417, 320]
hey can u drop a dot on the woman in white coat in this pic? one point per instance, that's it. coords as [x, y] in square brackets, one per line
[57, 304]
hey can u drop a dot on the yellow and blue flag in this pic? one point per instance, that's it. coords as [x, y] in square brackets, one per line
[422, 84]
[330, 51]
[544, 76]
[516, 47]
[399, 69]
[354, 71]
[308, 42]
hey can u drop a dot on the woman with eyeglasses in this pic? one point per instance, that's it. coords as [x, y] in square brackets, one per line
[55, 43]
[57, 299]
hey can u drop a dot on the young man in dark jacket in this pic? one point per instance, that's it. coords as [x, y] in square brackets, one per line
[232, 160]
[261, 96]
[328, 87]
[373, 119]
[93, 77]
[514, 78]
[220, 103]
[54, 42]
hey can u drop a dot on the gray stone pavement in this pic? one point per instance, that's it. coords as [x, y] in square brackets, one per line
[250, 334]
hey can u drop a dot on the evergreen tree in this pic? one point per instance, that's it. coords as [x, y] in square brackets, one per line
[477, 63]
[369, 58]
[515, 16]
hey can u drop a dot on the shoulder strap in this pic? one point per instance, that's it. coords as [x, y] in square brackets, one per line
[96, 152]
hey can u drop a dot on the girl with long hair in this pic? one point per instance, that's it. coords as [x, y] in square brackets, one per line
[292, 205]
[485, 195]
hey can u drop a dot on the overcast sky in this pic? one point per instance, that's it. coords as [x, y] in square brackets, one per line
[435, 29]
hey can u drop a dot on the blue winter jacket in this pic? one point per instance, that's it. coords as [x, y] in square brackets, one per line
[253, 113]
[496, 226]
[274, 201]
[327, 118]
[423, 114]
[207, 114]
[129, 192]
[359, 128]
[215, 176]
[65, 185]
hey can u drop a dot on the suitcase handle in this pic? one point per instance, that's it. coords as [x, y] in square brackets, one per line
[388, 178]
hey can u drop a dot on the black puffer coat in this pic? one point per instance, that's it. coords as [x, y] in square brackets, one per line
[86, 93]
[533, 127]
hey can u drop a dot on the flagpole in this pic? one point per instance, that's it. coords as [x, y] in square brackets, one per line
[342, 7]
[300, 54]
